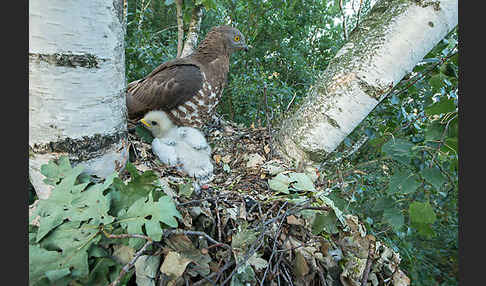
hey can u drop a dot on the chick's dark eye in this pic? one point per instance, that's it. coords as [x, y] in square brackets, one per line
[153, 123]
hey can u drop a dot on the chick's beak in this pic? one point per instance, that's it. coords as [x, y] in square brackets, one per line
[144, 122]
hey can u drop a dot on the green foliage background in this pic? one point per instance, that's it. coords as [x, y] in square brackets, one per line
[403, 182]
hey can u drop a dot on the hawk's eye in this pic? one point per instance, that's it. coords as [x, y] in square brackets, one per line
[237, 38]
[153, 123]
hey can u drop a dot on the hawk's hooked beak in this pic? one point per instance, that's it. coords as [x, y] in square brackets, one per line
[144, 122]
[245, 48]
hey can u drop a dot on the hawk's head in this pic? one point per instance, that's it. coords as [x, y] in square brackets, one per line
[235, 40]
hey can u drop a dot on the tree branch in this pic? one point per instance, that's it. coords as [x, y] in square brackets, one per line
[180, 27]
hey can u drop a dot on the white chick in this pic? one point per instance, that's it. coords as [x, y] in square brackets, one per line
[184, 147]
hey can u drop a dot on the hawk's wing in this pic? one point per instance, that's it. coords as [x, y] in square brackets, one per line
[165, 88]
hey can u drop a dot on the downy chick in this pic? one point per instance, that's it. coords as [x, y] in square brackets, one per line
[184, 147]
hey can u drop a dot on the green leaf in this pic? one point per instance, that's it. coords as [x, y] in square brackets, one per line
[185, 190]
[99, 275]
[169, 2]
[434, 131]
[42, 261]
[421, 213]
[57, 274]
[138, 215]
[450, 144]
[243, 239]
[280, 183]
[57, 207]
[383, 203]
[138, 187]
[394, 217]
[325, 222]
[403, 182]
[226, 168]
[436, 82]
[434, 176]
[74, 242]
[144, 134]
[421, 217]
[399, 150]
[55, 172]
[302, 182]
[243, 276]
[443, 106]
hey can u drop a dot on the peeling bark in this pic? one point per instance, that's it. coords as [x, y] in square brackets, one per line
[76, 86]
[390, 41]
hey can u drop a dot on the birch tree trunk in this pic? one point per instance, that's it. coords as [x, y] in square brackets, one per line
[76, 86]
[390, 41]
[192, 33]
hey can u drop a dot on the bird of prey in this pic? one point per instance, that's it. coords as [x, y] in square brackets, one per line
[183, 147]
[188, 89]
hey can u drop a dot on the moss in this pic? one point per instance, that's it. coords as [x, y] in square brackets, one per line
[333, 122]
[425, 3]
[375, 92]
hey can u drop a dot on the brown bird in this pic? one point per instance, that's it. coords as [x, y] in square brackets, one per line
[188, 89]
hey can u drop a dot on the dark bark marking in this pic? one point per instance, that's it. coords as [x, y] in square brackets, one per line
[84, 148]
[68, 60]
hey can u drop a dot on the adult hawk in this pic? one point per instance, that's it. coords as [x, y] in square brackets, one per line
[188, 88]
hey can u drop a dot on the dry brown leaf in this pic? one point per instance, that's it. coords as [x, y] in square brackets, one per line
[254, 160]
[174, 265]
[226, 159]
[291, 219]
[266, 149]
[300, 265]
[217, 158]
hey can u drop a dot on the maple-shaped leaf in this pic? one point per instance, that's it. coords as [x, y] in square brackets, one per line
[149, 214]
[41, 262]
[63, 252]
[53, 210]
[55, 172]
[69, 201]
[74, 241]
[139, 186]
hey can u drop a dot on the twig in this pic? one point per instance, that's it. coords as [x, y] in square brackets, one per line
[202, 200]
[292, 100]
[180, 27]
[269, 124]
[359, 12]
[344, 19]
[369, 261]
[191, 232]
[219, 220]
[275, 239]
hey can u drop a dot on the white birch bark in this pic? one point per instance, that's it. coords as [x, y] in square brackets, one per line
[192, 33]
[391, 40]
[76, 86]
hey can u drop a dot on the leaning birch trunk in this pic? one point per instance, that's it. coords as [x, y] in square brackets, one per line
[390, 41]
[193, 31]
[76, 86]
